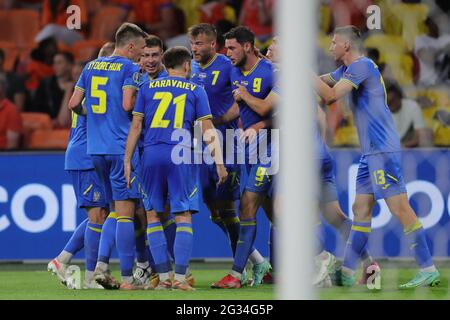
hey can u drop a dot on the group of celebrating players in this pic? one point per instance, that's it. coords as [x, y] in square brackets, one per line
[132, 157]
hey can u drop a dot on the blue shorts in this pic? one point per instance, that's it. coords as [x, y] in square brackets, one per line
[381, 175]
[165, 181]
[89, 190]
[110, 170]
[228, 191]
[328, 191]
[255, 178]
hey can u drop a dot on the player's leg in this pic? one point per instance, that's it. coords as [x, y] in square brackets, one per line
[388, 184]
[249, 205]
[170, 229]
[414, 232]
[184, 200]
[125, 205]
[336, 217]
[184, 241]
[260, 265]
[143, 269]
[158, 246]
[97, 217]
[154, 183]
[361, 225]
[358, 237]
[58, 265]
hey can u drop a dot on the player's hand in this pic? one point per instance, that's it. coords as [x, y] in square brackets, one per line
[241, 92]
[127, 172]
[248, 136]
[221, 173]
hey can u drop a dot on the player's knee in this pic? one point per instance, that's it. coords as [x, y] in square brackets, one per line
[400, 208]
[361, 211]
[152, 216]
[96, 215]
[247, 208]
[184, 217]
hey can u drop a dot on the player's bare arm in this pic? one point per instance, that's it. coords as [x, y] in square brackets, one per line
[251, 132]
[260, 106]
[212, 140]
[129, 97]
[133, 137]
[328, 79]
[322, 119]
[230, 115]
[75, 102]
[328, 94]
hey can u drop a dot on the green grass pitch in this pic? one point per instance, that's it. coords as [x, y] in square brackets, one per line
[32, 281]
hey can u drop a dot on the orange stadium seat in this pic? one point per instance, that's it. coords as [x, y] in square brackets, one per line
[19, 26]
[105, 23]
[11, 54]
[34, 121]
[87, 49]
[49, 139]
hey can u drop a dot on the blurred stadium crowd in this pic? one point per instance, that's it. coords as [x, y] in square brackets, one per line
[40, 58]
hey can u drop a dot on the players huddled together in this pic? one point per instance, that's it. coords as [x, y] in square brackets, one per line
[132, 157]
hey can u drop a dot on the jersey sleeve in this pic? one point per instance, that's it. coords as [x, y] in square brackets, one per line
[202, 109]
[356, 73]
[139, 106]
[81, 83]
[132, 76]
[337, 74]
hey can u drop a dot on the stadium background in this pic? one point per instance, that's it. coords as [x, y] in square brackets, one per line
[37, 209]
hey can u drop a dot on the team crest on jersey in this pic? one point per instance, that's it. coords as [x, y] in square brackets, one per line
[97, 196]
[242, 83]
[202, 75]
[136, 77]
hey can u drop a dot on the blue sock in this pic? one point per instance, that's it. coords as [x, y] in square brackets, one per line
[170, 230]
[125, 244]
[231, 221]
[357, 241]
[182, 247]
[245, 244]
[158, 247]
[108, 238]
[320, 233]
[418, 242]
[151, 261]
[91, 242]
[142, 253]
[76, 241]
[345, 229]
[219, 222]
[272, 235]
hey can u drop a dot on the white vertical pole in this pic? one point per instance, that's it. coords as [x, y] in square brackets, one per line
[297, 209]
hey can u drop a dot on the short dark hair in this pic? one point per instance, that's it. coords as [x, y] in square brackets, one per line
[127, 32]
[241, 34]
[68, 56]
[176, 56]
[153, 41]
[352, 33]
[203, 28]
